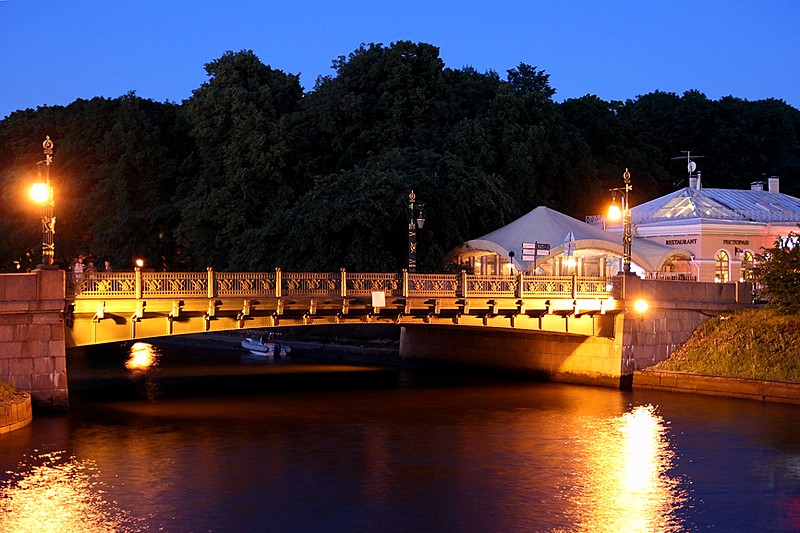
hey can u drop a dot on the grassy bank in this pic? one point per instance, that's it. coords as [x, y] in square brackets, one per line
[752, 343]
[9, 393]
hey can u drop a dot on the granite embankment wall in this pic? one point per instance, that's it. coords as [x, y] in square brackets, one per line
[751, 389]
[32, 349]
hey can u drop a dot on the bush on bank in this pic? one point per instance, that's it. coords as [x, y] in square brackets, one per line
[752, 343]
[8, 393]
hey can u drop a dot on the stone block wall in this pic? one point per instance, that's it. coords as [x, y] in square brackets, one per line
[675, 310]
[32, 347]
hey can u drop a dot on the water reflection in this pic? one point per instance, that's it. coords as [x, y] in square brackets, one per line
[52, 493]
[142, 356]
[623, 477]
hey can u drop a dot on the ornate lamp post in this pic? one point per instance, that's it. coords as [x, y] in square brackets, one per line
[615, 212]
[416, 221]
[42, 193]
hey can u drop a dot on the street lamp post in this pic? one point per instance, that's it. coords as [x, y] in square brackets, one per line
[614, 213]
[416, 221]
[42, 192]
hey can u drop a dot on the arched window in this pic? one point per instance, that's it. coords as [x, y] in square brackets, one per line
[722, 269]
[747, 266]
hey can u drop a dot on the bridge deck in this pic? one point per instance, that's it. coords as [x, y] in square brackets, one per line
[107, 307]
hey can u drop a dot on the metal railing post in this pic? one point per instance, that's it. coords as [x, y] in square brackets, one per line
[137, 283]
[343, 288]
[463, 283]
[211, 285]
[405, 283]
[278, 282]
[520, 285]
[574, 285]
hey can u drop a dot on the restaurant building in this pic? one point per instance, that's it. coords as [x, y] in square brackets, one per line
[723, 229]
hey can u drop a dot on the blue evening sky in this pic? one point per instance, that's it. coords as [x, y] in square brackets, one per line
[56, 51]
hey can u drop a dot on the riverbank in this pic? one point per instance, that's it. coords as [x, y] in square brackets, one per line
[751, 353]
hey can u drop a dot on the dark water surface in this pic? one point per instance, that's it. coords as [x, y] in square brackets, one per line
[398, 451]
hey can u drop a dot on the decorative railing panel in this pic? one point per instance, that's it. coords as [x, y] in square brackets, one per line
[174, 284]
[311, 284]
[102, 285]
[492, 286]
[593, 287]
[244, 283]
[548, 286]
[366, 284]
[441, 285]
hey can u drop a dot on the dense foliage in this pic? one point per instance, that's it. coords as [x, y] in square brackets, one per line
[777, 274]
[251, 172]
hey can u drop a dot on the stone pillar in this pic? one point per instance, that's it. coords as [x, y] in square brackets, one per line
[32, 348]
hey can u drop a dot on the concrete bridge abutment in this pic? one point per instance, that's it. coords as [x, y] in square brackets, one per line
[32, 338]
[637, 340]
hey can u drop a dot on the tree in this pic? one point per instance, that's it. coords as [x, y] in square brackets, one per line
[240, 178]
[358, 219]
[777, 273]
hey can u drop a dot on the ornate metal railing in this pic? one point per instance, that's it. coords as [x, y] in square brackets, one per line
[671, 276]
[211, 284]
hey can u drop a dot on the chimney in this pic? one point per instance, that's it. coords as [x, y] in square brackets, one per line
[694, 180]
[774, 184]
[757, 186]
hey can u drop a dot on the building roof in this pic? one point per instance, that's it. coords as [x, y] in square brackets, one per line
[719, 204]
[545, 225]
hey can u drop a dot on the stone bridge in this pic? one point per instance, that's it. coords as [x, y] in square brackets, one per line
[562, 328]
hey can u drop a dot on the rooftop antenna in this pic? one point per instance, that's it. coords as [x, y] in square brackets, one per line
[691, 166]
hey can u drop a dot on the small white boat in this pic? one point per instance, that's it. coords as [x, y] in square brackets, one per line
[268, 348]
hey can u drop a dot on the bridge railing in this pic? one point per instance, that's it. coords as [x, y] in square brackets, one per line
[211, 284]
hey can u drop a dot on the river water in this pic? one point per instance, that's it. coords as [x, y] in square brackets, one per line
[223, 443]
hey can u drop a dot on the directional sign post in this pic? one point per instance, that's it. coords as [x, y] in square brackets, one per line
[532, 250]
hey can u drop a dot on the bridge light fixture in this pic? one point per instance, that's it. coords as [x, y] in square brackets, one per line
[641, 306]
[416, 221]
[614, 210]
[42, 193]
[624, 211]
[139, 263]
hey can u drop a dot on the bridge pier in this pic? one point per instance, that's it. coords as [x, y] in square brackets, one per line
[539, 354]
[636, 340]
[32, 337]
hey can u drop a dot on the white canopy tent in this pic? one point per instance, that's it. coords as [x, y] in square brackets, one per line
[547, 226]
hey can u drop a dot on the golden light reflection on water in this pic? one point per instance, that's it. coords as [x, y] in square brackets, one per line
[142, 356]
[623, 480]
[52, 494]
